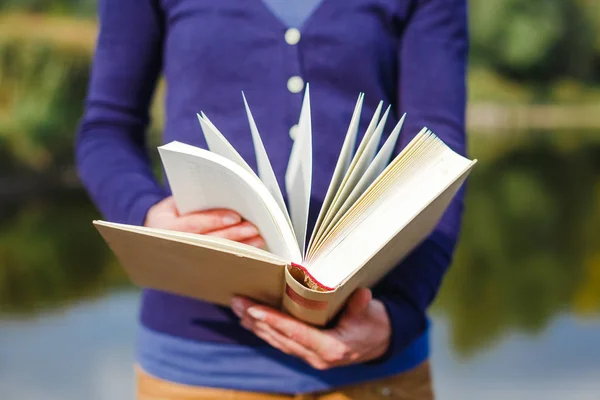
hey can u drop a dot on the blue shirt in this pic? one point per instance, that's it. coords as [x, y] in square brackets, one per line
[409, 53]
[292, 13]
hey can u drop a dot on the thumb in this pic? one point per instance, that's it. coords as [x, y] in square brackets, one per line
[358, 303]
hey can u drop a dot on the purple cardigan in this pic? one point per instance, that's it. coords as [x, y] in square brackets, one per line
[409, 53]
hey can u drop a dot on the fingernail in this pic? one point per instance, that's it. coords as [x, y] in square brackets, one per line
[231, 219]
[251, 230]
[257, 314]
[238, 307]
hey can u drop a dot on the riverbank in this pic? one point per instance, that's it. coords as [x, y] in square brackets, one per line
[486, 117]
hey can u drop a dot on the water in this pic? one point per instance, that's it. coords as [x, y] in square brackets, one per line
[518, 316]
[86, 353]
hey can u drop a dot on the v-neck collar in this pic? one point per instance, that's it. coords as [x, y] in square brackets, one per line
[278, 21]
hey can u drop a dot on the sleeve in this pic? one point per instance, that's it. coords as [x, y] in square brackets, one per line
[111, 157]
[432, 92]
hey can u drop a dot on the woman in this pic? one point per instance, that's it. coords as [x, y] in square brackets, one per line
[408, 53]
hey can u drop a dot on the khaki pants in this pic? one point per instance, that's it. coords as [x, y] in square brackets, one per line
[414, 385]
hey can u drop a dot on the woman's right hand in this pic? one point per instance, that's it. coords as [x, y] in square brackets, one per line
[218, 222]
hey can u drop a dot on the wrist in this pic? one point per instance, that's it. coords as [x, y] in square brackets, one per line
[406, 321]
[383, 326]
[149, 217]
[138, 214]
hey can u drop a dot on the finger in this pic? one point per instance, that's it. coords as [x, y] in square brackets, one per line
[238, 233]
[256, 241]
[284, 344]
[265, 335]
[358, 303]
[206, 221]
[240, 304]
[321, 343]
[328, 350]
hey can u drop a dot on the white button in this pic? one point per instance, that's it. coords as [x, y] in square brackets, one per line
[295, 84]
[294, 132]
[292, 36]
[386, 391]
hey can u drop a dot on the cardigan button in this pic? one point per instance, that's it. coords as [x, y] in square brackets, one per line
[294, 132]
[292, 36]
[295, 84]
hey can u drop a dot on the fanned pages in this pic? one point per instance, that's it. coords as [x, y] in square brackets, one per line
[377, 218]
[202, 180]
[338, 199]
[298, 177]
[343, 163]
[360, 167]
[219, 145]
[265, 171]
[374, 213]
[376, 167]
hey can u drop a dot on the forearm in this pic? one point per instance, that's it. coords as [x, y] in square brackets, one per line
[111, 148]
[432, 93]
[116, 174]
[409, 289]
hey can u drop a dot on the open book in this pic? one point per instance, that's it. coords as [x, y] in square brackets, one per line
[376, 210]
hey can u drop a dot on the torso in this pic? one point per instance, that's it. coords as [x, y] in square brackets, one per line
[215, 49]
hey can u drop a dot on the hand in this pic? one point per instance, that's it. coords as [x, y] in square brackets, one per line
[222, 223]
[363, 332]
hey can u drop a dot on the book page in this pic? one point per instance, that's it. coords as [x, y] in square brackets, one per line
[377, 166]
[202, 180]
[335, 203]
[265, 171]
[401, 167]
[360, 164]
[341, 167]
[219, 145]
[411, 187]
[298, 177]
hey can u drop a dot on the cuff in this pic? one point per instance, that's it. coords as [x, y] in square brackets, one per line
[407, 323]
[138, 212]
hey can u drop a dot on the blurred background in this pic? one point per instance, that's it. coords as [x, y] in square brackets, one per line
[519, 312]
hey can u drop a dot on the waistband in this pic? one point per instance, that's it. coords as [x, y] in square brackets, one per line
[257, 368]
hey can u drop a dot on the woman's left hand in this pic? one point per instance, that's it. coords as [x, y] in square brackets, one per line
[363, 332]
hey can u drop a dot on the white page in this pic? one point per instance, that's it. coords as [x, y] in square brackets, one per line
[368, 133]
[342, 165]
[202, 180]
[373, 143]
[380, 162]
[337, 202]
[361, 163]
[298, 177]
[265, 171]
[392, 211]
[219, 145]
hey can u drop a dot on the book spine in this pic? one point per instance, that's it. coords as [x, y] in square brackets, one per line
[314, 306]
[310, 280]
[304, 302]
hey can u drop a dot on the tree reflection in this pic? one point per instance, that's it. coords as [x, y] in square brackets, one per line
[529, 248]
[527, 240]
[51, 255]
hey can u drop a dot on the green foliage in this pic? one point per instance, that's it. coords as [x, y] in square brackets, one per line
[526, 241]
[42, 86]
[73, 7]
[50, 254]
[529, 245]
[536, 40]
